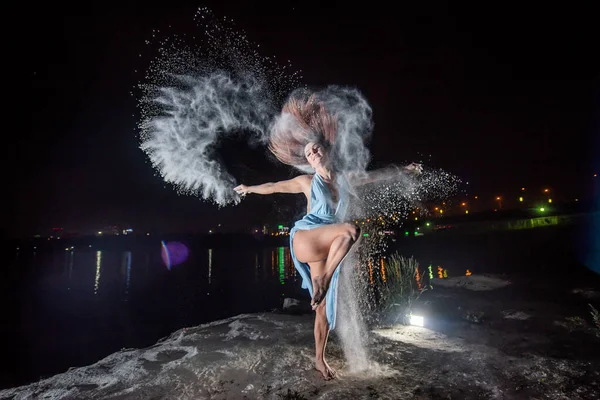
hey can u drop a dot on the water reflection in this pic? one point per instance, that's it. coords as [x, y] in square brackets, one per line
[126, 269]
[210, 256]
[281, 264]
[273, 262]
[98, 271]
[380, 271]
[256, 267]
[108, 263]
[69, 262]
[418, 278]
[65, 287]
[289, 262]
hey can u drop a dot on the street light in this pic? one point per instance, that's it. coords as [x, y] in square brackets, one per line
[547, 191]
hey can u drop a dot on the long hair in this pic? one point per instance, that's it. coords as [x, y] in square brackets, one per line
[303, 119]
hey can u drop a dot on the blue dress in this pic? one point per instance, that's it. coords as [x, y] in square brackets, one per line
[322, 212]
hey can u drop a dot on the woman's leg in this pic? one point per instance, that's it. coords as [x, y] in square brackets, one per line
[328, 243]
[321, 328]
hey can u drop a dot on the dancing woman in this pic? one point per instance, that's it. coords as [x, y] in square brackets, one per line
[318, 242]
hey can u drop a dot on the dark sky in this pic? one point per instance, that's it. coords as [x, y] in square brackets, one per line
[502, 96]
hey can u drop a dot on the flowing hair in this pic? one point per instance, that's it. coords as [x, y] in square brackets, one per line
[303, 119]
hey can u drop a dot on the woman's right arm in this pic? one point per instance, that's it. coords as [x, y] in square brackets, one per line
[294, 185]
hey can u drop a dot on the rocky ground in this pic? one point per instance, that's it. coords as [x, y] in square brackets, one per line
[485, 337]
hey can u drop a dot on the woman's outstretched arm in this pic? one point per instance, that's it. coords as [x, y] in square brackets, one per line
[382, 174]
[294, 185]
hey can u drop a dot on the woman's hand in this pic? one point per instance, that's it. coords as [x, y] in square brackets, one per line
[242, 190]
[414, 168]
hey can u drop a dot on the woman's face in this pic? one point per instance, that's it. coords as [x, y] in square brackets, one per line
[315, 154]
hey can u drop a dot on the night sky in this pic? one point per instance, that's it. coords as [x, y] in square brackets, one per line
[502, 96]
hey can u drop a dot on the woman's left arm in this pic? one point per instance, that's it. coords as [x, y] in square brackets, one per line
[382, 174]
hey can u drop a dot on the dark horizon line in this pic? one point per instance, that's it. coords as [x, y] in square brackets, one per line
[480, 216]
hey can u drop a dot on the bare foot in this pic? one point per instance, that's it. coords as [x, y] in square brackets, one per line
[320, 286]
[325, 370]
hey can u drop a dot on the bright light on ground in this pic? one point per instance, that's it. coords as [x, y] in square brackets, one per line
[416, 320]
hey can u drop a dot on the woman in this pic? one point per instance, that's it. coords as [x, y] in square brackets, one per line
[319, 241]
